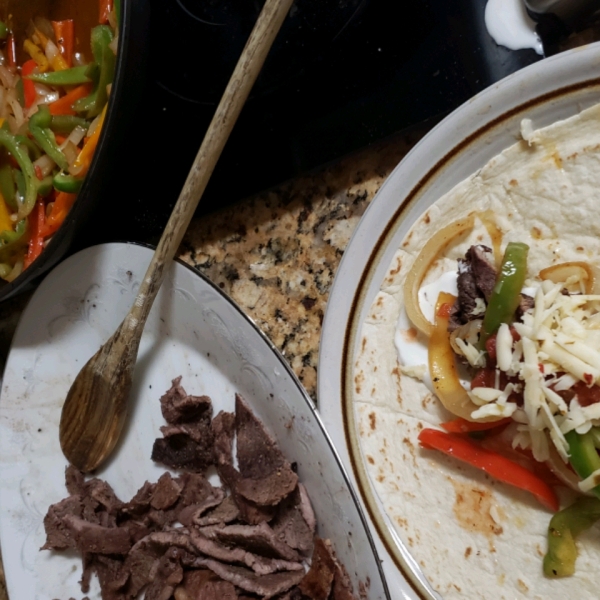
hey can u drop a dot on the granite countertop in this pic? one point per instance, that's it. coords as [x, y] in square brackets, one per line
[276, 253]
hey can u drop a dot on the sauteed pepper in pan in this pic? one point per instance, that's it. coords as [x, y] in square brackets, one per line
[52, 105]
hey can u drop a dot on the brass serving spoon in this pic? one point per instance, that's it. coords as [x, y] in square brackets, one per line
[96, 407]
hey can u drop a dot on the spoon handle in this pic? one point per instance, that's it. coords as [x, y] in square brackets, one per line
[232, 101]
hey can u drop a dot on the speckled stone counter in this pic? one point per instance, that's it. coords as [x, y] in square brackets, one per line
[276, 253]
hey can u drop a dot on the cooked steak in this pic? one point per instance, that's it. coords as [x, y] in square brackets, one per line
[186, 539]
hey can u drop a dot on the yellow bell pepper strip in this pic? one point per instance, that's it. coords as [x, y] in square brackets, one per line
[564, 527]
[64, 105]
[507, 291]
[104, 56]
[64, 31]
[29, 92]
[60, 208]
[26, 169]
[39, 126]
[583, 455]
[442, 365]
[13, 242]
[6, 223]
[37, 219]
[84, 158]
[37, 54]
[494, 464]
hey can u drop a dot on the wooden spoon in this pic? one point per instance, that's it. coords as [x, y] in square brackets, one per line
[96, 407]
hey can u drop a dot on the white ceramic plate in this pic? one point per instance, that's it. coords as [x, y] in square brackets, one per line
[549, 90]
[194, 331]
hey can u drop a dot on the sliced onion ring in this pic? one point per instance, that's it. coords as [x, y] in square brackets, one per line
[422, 263]
[561, 272]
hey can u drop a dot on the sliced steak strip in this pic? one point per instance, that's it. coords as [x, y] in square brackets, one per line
[58, 535]
[317, 583]
[96, 539]
[74, 480]
[178, 450]
[226, 512]
[290, 523]
[476, 281]
[167, 575]
[258, 539]
[232, 554]
[267, 477]
[223, 426]
[166, 492]
[481, 259]
[179, 407]
[204, 585]
[247, 580]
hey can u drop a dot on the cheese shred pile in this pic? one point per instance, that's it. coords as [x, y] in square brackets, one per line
[556, 348]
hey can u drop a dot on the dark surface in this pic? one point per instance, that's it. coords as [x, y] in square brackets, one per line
[342, 74]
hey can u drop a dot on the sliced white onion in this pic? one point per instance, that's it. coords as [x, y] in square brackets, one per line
[45, 164]
[114, 44]
[76, 135]
[70, 151]
[93, 125]
[7, 78]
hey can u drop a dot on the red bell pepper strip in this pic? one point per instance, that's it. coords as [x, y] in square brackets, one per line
[106, 7]
[37, 219]
[64, 105]
[460, 425]
[28, 85]
[492, 463]
[60, 209]
[64, 31]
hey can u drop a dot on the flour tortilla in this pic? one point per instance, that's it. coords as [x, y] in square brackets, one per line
[474, 537]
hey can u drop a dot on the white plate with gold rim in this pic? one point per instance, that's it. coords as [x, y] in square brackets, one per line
[550, 90]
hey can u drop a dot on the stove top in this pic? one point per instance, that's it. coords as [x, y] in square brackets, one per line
[341, 75]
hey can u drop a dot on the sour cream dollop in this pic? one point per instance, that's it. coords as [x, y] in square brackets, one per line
[510, 26]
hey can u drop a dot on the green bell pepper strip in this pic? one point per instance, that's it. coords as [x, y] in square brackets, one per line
[45, 186]
[7, 185]
[32, 148]
[39, 126]
[64, 124]
[67, 183]
[583, 455]
[12, 242]
[507, 291]
[4, 31]
[20, 92]
[20, 155]
[564, 527]
[72, 76]
[117, 9]
[93, 104]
